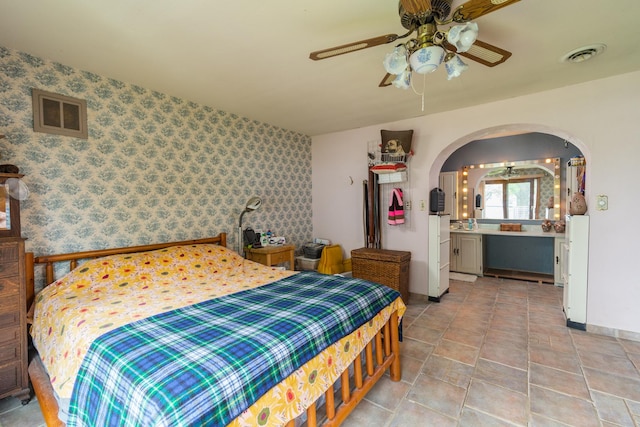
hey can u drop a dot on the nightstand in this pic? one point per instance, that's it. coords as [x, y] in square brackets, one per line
[271, 255]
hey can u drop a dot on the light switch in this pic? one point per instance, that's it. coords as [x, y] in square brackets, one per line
[602, 202]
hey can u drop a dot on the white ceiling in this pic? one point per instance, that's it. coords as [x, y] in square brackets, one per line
[252, 57]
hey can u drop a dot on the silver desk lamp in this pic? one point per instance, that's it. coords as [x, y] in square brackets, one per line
[252, 205]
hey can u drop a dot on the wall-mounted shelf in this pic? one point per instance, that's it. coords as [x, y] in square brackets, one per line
[390, 168]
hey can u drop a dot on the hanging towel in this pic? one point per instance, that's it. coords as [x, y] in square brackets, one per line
[396, 208]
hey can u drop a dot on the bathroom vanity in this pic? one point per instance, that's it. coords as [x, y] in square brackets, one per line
[530, 254]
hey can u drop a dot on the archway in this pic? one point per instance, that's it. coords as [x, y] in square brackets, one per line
[509, 134]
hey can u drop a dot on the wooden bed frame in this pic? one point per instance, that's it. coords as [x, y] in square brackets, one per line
[386, 348]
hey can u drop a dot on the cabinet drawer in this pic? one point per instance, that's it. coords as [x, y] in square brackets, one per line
[9, 334]
[9, 319]
[10, 378]
[9, 352]
[280, 257]
[9, 268]
[9, 304]
[9, 253]
[9, 286]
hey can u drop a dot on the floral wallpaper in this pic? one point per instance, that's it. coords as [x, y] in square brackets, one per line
[155, 168]
[546, 192]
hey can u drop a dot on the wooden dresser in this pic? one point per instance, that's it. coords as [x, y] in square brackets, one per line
[13, 326]
[14, 379]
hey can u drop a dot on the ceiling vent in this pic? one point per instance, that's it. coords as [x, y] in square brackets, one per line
[584, 53]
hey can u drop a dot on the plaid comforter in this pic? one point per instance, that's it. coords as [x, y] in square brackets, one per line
[206, 363]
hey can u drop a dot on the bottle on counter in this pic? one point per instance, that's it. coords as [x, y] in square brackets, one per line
[470, 224]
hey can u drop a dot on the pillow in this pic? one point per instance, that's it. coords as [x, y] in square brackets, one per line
[389, 167]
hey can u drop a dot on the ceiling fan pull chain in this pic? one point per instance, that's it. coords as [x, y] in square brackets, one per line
[424, 85]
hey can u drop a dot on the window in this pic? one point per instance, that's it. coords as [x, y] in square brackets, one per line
[59, 114]
[511, 199]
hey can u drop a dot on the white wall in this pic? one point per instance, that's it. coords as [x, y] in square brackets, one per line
[600, 117]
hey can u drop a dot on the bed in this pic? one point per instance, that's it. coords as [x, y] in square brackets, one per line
[190, 333]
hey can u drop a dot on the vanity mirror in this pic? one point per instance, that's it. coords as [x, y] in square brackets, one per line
[5, 209]
[524, 189]
[9, 209]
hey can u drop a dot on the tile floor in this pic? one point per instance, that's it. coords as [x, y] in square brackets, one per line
[491, 353]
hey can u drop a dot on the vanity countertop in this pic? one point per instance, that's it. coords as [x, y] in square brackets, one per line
[494, 229]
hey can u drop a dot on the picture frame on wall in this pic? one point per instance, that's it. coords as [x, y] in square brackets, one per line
[396, 145]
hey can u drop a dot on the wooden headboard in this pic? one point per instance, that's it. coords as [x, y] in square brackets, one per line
[72, 258]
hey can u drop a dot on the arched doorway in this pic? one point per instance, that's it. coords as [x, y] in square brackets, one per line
[509, 145]
[496, 144]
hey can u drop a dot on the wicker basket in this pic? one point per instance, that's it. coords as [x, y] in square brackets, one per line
[505, 226]
[387, 267]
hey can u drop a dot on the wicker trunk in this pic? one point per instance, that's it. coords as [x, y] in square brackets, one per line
[387, 267]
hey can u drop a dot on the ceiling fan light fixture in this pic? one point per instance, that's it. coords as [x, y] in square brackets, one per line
[463, 36]
[429, 45]
[427, 59]
[396, 61]
[403, 80]
[455, 66]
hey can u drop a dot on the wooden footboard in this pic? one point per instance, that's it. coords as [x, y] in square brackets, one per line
[387, 356]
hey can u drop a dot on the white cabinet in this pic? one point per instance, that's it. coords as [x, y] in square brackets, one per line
[558, 260]
[449, 184]
[574, 271]
[466, 253]
[439, 247]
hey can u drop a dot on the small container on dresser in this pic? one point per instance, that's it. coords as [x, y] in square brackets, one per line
[13, 327]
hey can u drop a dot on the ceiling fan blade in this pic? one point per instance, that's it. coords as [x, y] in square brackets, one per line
[474, 9]
[416, 7]
[352, 47]
[387, 80]
[484, 53]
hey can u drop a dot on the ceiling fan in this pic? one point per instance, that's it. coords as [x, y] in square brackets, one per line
[430, 46]
[506, 173]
